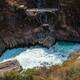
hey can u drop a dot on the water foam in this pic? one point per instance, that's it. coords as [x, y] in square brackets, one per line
[38, 56]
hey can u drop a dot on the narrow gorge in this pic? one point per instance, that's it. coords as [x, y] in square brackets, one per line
[19, 29]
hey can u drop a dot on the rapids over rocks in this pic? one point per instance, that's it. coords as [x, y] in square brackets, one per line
[38, 56]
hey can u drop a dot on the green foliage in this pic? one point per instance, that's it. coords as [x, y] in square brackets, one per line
[36, 74]
[28, 73]
[66, 63]
[74, 71]
[14, 75]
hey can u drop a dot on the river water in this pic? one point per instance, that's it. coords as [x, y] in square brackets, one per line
[37, 56]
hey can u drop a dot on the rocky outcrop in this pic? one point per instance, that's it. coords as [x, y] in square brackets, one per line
[18, 29]
[12, 65]
[68, 28]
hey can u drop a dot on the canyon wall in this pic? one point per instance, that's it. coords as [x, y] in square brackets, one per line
[19, 29]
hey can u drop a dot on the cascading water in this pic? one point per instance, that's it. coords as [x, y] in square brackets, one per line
[41, 4]
[38, 56]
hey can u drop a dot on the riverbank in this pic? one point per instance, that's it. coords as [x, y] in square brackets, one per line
[69, 70]
[60, 62]
[17, 29]
[38, 56]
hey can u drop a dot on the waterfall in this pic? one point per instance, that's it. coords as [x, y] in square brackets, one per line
[41, 4]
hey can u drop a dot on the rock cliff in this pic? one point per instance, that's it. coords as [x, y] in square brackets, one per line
[68, 28]
[19, 29]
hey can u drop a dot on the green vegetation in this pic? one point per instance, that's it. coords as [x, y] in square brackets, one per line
[69, 70]
[14, 75]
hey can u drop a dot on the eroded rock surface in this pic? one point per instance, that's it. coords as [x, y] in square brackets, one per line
[68, 28]
[12, 65]
[17, 29]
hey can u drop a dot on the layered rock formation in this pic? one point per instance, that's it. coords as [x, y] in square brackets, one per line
[68, 28]
[18, 29]
[12, 65]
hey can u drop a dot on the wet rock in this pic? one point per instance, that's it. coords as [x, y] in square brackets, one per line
[49, 41]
